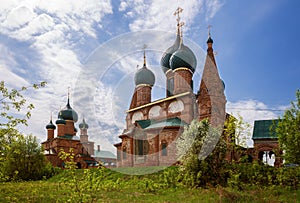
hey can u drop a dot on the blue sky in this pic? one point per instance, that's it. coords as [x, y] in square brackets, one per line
[256, 44]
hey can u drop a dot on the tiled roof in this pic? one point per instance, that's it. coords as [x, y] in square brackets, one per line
[104, 154]
[170, 122]
[262, 129]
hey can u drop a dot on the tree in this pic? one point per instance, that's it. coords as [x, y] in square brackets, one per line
[15, 110]
[288, 132]
[25, 160]
[236, 132]
[197, 170]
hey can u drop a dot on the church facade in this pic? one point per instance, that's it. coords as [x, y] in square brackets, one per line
[66, 139]
[152, 127]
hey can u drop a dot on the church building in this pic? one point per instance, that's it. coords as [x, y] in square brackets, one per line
[152, 127]
[66, 139]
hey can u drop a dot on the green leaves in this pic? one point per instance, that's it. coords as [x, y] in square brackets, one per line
[11, 104]
[288, 132]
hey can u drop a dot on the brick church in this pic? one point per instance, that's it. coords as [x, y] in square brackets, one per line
[66, 139]
[152, 127]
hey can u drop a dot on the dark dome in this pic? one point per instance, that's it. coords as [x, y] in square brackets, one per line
[50, 125]
[210, 40]
[60, 120]
[144, 76]
[183, 57]
[83, 125]
[165, 59]
[68, 113]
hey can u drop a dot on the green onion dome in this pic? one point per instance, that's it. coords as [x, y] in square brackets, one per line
[68, 113]
[83, 125]
[60, 120]
[144, 76]
[50, 125]
[183, 58]
[165, 60]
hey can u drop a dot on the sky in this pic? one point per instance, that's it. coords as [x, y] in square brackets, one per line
[94, 48]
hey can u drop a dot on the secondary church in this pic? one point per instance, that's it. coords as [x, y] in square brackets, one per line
[152, 127]
[66, 139]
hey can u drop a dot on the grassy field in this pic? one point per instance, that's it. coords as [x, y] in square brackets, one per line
[111, 186]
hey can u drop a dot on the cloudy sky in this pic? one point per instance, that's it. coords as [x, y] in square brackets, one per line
[94, 47]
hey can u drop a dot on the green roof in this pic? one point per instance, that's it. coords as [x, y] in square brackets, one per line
[262, 129]
[170, 122]
[104, 154]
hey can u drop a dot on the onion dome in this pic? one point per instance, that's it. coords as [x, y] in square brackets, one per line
[83, 125]
[144, 76]
[209, 40]
[164, 62]
[60, 120]
[50, 125]
[68, 113]
[183, 57]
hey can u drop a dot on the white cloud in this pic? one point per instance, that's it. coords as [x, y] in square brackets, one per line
[13, 19]
[158, 14]
[123, 6]
[212, 7]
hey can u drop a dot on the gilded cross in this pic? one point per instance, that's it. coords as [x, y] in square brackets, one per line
[176, 13]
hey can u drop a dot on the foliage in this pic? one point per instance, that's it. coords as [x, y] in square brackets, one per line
[18, 154]
[201, 154]
[12, 102]
[24, 160]
[104, 185]
[243, 175]
[288, 132]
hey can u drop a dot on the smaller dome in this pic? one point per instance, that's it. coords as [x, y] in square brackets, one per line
[210, 40]
[144, 76]
[50, 125]
[60, 120]
[183, 57]
[68, 113]
[83, 125]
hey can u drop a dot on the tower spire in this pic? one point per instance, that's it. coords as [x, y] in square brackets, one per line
[68, 103]
[144, 47]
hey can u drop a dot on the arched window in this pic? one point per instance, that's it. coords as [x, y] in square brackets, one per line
[164, 148]
[124, 153]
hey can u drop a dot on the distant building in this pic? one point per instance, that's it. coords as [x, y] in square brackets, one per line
[266, 144]
[105, 158]
[66, 139]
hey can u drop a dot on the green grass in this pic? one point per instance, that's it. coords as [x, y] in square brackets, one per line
[111, 186]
